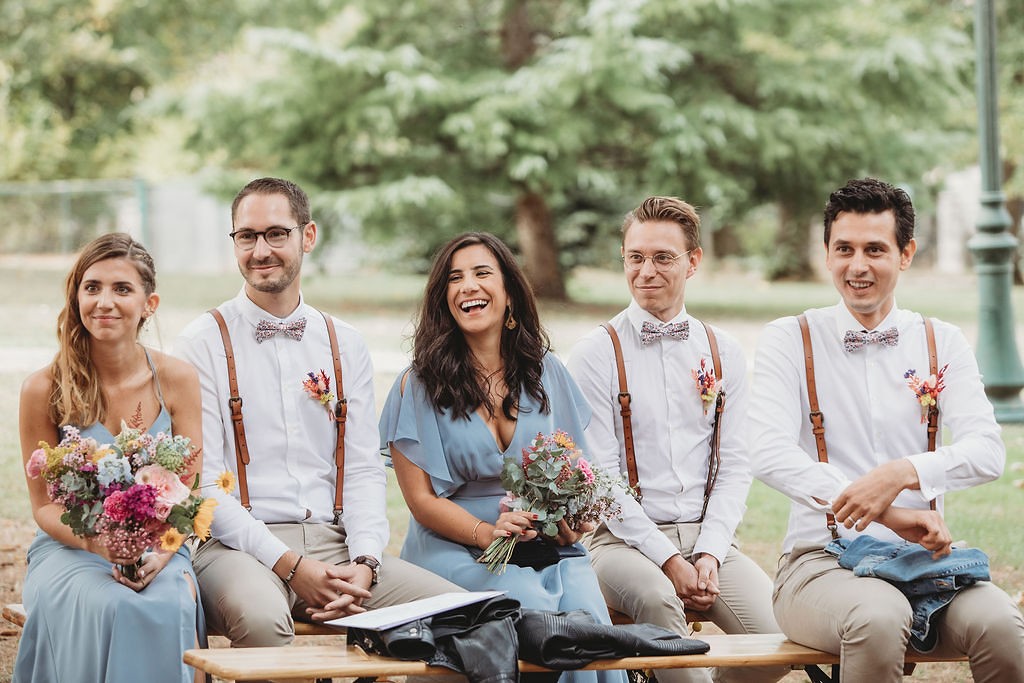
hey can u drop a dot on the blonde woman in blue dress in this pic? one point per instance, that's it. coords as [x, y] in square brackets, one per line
[86, 620]
[483, 385]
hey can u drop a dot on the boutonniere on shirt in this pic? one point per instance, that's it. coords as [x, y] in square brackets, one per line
[318, 386]
[926, 390]
[707, 384]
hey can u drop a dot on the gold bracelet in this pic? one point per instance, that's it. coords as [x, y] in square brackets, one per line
[475, 527]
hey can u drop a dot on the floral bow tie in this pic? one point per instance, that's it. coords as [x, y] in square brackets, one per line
[265, 329]
[855, 339]
[649, 331]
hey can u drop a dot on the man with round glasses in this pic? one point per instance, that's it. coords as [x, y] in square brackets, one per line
[660, 414]
[290, 542]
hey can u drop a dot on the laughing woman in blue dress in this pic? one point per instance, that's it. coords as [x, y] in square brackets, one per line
[482, 385]
[86, 620]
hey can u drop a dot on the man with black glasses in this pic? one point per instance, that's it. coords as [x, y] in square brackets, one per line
[288, 407]
[669, 396]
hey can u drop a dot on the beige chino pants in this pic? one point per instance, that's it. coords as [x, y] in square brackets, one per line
[247, 602]
[637, 587]
[867, 621]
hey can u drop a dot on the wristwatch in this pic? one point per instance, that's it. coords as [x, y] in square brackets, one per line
[373, 563]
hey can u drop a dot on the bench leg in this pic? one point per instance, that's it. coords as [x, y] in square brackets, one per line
[818, 676]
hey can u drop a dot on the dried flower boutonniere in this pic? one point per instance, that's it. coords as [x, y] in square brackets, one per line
[318, 386]
[707, 384]
[926, 390]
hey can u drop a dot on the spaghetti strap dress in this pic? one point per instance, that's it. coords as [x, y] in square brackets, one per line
[84, 626]
[464, 463]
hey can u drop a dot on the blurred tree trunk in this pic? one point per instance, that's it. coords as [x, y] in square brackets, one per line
[792, 254]
[540, 250]
[533, 218]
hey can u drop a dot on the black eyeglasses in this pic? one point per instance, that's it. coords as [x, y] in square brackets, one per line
[275, 237]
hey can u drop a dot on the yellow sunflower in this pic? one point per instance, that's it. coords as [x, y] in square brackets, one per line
[204, 517]
[172, 539]
[226, 482]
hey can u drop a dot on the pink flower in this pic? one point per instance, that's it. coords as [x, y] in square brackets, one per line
[588, 473]
[114, 506]
[139, 499]
[169, 489]
[36, 463]
[162, 508]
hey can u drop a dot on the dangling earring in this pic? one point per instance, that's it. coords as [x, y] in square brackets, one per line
[510, 322]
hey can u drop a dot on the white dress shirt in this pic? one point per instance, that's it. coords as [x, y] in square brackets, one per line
[671, 431]
[291, 437]
[871, 416]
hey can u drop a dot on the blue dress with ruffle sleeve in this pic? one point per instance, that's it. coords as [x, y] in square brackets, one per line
[464, 463]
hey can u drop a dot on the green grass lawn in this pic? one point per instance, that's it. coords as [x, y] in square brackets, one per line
[381, 305]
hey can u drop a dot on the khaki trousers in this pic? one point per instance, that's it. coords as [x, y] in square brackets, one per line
[637, 587]
[249, 604]
[867, 621]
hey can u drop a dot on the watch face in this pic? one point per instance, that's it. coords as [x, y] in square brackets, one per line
[373, 563]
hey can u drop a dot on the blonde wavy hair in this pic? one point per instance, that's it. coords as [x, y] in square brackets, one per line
[77, 398]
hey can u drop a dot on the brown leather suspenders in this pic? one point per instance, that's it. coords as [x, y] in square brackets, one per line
[626, 413]
[818, 419]
[815, 415]
[235, 403]
[933, 369]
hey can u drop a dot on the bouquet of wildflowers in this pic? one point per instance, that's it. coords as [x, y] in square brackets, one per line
[129, 493]
[553, 481]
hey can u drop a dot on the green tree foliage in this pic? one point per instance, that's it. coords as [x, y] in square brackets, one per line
[544, 120]
[74, 73]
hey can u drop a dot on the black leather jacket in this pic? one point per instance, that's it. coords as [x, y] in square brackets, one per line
[485, 640]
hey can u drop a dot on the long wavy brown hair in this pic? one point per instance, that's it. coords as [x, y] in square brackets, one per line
[441, 357]
[77, 398]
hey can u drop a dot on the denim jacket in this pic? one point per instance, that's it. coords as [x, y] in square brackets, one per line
[928, 584]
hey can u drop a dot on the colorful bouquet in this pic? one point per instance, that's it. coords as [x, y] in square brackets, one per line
[553, 481]
[926, 390]
[129, 493]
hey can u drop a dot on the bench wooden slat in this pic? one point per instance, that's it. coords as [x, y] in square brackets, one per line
[772, 649]
[15, 613]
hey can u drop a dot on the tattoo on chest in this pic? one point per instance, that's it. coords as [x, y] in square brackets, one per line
[135, 421]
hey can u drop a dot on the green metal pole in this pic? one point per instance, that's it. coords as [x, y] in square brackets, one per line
[993, 247]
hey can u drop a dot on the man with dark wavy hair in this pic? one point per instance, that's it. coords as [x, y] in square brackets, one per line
[873, 471]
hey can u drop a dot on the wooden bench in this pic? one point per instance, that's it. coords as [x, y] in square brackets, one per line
[307, 664]
[326, 661]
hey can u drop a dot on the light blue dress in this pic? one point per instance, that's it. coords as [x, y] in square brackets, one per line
[464, 463]
[84, 626]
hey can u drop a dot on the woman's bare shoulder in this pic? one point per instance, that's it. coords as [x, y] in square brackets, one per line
[38, 385]
[173, 371]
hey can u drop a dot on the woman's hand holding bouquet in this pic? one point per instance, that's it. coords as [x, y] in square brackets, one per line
[553, 492]
[126, 497]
